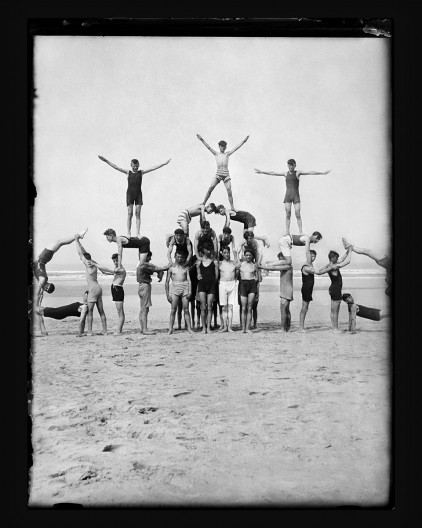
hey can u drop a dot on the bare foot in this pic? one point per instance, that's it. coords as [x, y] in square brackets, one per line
[346, 244]
[230, 329]
[249, 331]
[83, 233]
[170, 331]
[148, 332]
[118, 333]
[204, 330]
[128, 235]
[104, 332]
[89, 333]
[223, 329]
[302, 330]
[190, 331]
[80, 335]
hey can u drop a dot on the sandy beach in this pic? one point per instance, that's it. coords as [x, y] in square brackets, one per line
[262, 419]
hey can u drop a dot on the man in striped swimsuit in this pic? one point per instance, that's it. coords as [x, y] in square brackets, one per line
[222, 159]
[184, 218]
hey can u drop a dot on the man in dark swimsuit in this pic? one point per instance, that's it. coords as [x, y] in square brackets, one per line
[292, 190]
[134, 190]
[182, 244]
[381, 259]
[205, 235]
[307, 288]
[332, 268]
[141, 244]
[226, 239]
[373, 314]
[40, 274]
[75, 309]
[208, 273]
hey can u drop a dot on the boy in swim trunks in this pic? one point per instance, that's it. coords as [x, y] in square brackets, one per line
[381, 259]
[361, 311]
[207, 280]
[134, 190]
[286, 288]
[227, 289]
[182, 243]
[222, 159]
[292, 190]
[186, 215]
[308, 280]
[180, 288]
[117, 291]
[247, 287]
[40, 274]
[287, 241]
[144, 270]
[141, 244]
[75, 309]
[95, 292]
[333, 269]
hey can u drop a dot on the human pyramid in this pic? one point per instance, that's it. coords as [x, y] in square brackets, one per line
[203, 275]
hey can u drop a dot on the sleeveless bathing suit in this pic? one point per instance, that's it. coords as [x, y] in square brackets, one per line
[207, 283]
[143, 243]
[245, 218]
[70, 310]
[292, 188]
[336, 285]
[296, 240]
[368, 313]
[307, 285]
[134, 188]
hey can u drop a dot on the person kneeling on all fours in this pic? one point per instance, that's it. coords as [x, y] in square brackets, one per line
[374, 314]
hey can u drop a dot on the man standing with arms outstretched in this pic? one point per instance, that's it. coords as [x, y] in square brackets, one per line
[222, 159]
[134, 190]
[292, 190]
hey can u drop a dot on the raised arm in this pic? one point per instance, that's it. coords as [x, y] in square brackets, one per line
[270, 173]
[196, 242]
[234, 249]
[119, 252]
[206, 144]
[215, 244]
[227, 221]
[170, 249]
[230, 152]
[113, 165]
[345, 259]
[156, 167]
[80, 249]
[190, 251]
[202, 213]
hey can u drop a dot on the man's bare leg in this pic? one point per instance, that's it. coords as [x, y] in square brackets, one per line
[138, 220]
[214, 183]
[363, 251]
[210, 300]
[230, 318]
[121, 315]
[251, 298]
[303, 312]
[90, 317]
[335, 308]
[185, 303]
[298, 217]
[144, 322]
[174, 305]
[228, 185]
[65, 241]
[100, 309]
[288, 207]
[129, 219]
[224, 325]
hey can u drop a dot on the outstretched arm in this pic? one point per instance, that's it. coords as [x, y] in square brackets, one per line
[113, 165]
[325, 269]
[300, 172]
[156, 167]
[270, 173]
[230, 152]
[104, 269]
[206, 144]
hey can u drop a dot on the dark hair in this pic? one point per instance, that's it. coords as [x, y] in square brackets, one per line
[223, 143]
[248, 250]
[247, 234]
[179, 231]
[114, 256]
[213, 207]
[221, 206]
[318, 234]
[346, 295]
[149, 254]
[134, 161]
[291, 162]
[313, 251]
[181, 253]
[86, 292]
[205, 224]
[332, 254]
[111, 232]
[280, 255]
[49, 287]
[224, 248]
[227, 230]
[87, 256]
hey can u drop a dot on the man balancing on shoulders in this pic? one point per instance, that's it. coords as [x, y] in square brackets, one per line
[141, 244]
[286, 242]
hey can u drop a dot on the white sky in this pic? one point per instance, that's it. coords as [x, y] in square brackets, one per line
[322, 101]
